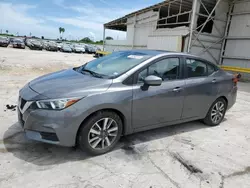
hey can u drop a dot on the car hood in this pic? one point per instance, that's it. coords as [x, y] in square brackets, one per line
[79, 48]
[69, 83]
[66, 48]
[36, 43]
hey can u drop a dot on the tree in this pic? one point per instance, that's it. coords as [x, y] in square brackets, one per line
[86, 39]
[109, 38]
[61, 31]
[7, 31]
[42, 37]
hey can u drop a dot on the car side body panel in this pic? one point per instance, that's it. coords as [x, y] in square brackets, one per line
[140, 110]
[158, 104]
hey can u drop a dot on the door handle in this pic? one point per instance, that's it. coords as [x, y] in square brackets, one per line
[214, 81]
[177, 89]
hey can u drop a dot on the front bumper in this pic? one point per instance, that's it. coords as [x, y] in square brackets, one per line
[18, 46]
[49, 126]
[2, 44]
[54, 127]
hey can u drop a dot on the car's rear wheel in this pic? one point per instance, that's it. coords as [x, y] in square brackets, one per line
[216, 112]
[100, 133]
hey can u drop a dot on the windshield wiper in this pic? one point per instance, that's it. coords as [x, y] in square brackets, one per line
[92, 73]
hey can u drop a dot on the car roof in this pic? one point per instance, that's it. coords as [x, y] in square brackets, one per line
[147, 52]
[163, 52]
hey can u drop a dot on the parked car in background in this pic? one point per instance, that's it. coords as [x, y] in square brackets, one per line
[78, 48]
[4, 41]
[51, 46]
[59, 46]
[18, 43]
[89, 49]
[11, 40]
[124, 93]
[93, 49]
[97, 48]
[66, 48]
[34, 44]
[45, 44]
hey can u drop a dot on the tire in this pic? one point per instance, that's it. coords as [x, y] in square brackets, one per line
[87, 139]
[219, 111]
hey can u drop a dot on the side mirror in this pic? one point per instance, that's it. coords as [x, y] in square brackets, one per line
[152, 81]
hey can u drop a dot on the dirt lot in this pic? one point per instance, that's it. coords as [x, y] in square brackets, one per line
[182, 156]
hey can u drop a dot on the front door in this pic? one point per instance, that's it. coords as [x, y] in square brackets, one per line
[159, 104]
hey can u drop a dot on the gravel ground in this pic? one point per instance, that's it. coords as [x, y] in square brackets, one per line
[29, 61]
[189, 155]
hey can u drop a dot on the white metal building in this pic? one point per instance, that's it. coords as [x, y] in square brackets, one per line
[218, 30]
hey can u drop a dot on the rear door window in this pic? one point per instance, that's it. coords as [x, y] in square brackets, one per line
[196, 68]
[210, 69]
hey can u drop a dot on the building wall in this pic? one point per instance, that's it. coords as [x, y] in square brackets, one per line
[142, 33]
[167, 39]
[238, 42]
[213, 39]
[140, 26]
[138, 29]
[169, 43]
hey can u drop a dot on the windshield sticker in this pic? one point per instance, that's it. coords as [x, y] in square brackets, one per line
[135, 56]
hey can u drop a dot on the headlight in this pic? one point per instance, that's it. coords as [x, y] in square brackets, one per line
[57, 104]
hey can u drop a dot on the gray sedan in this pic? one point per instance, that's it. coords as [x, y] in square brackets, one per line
[66, 48]
[126, 92]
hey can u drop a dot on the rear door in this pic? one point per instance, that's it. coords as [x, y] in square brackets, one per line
[201, 88]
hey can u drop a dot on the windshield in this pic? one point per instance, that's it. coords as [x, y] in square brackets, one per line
[116, 64]
[18, 40]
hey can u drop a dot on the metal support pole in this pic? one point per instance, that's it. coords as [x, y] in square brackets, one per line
[103, 47]
[180, 9]
[133, 41]
[207, 50]
[210, 15]
[169, 8]
[226, 32]
[192, 24]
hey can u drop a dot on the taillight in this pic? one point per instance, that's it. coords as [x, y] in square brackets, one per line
[236, 78]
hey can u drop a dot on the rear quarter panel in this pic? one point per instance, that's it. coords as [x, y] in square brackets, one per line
[226, 87]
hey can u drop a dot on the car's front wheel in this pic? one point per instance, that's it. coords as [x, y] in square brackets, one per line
[100, 133]
[216, 112]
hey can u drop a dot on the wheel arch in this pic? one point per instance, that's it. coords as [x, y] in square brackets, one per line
[223, 97]
[118, 112]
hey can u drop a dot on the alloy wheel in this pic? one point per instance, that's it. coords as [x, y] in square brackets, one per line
[103, 133]
[217, 112]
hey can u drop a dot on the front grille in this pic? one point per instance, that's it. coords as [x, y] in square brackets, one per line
[49, 136]
[20, 115]
[22, 103]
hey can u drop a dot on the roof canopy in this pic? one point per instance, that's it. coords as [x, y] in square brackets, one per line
[175, 5]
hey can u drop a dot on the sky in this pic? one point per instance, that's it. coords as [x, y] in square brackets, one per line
[80, 18]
